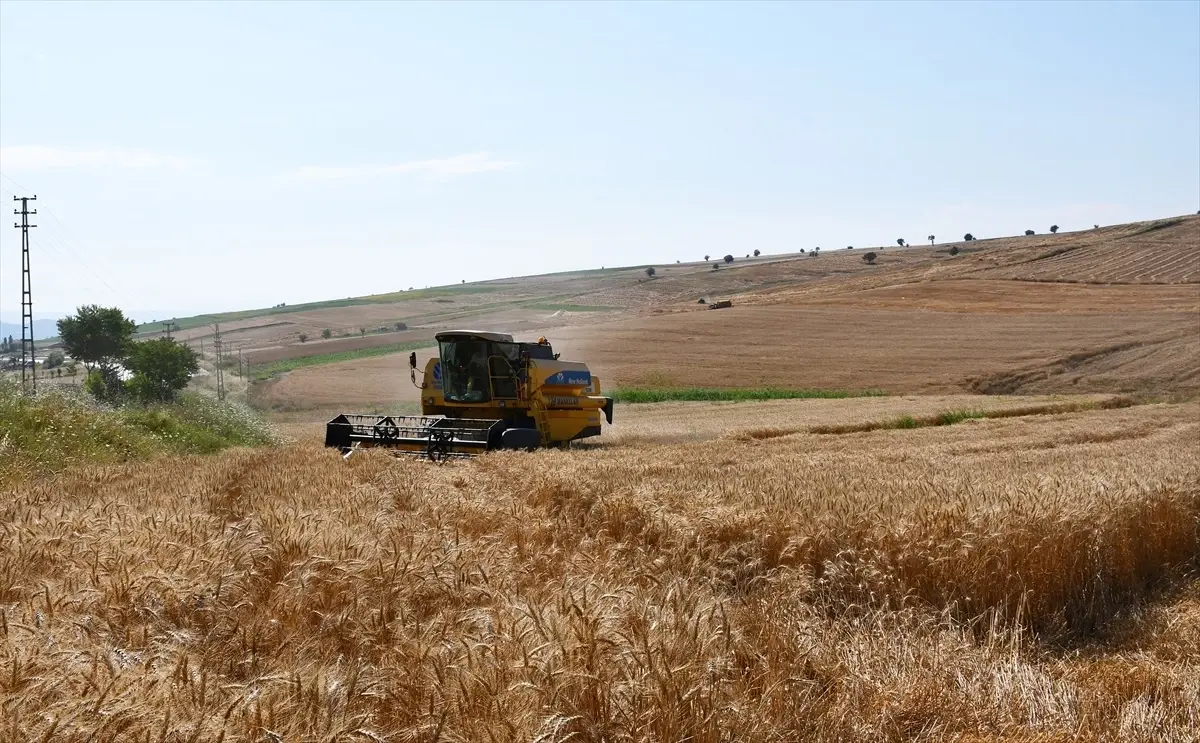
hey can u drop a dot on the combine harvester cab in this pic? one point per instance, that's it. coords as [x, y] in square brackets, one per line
[485, 391]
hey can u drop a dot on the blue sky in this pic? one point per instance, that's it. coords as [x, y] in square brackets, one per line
[213, 156]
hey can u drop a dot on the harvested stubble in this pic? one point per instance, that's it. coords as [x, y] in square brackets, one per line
[885, 586]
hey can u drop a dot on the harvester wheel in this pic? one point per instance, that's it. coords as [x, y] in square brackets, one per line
[386, 429]
[438, 448]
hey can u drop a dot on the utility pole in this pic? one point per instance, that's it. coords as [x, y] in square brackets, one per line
[241, 372]
[220, 371]
[27, 358]
[168, 324]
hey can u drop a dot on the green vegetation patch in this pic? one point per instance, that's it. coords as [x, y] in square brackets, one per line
[272, 368]
[64, 427]
[710, 394]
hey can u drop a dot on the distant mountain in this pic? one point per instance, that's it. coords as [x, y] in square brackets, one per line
[42, 329]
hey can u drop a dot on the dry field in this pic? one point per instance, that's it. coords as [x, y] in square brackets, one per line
[1110, 310]
[705, 573]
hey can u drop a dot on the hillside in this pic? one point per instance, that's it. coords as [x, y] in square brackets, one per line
[1020, 314]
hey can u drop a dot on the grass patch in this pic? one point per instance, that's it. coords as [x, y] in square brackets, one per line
[270, 369]
[746, 394]
[60, 428]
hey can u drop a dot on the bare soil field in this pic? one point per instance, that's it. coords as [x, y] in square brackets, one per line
[690, 578]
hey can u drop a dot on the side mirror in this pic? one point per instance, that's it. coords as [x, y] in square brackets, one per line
[412, 359]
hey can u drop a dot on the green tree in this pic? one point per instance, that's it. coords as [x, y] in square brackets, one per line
[1029, 232]
[161, 368]
[326, 333]
[869, 258]
[729, 259]
[55, 359]
[100, 337]
[650, 271]
[757, 252]
[1053, 229]
[953, 250]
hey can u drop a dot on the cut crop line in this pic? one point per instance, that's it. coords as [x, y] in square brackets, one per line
[750, 394]
[957, 416]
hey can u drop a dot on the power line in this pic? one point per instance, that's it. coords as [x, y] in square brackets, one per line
[27, 358]
[65, 246]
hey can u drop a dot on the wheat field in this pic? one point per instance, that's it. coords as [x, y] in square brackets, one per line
[1018, 578]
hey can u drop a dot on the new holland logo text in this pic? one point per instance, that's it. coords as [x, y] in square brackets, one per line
[570, 377]
[564, 402]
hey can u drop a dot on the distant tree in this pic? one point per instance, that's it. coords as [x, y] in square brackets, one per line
[801, 251]
[953, 250]
[930, 238]
[55, 359]
[1029, 233]
[362, 332]
[900, 242]
[326, 333]
[400, 326]
[1096, 226]
[729, 259]
[968, 237]
[849, 247]
[72, 368]
[757, 252]
[869, 258]
[679, 261]
[303, 337]
[100, 337]
[161, 368]
[706, 258]
[1053, 229]
[716, 266]
[650, 271]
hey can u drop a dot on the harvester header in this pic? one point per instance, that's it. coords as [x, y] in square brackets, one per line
[485, 391]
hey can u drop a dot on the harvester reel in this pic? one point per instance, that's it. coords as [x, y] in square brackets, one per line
[438, 448]
[387, 430]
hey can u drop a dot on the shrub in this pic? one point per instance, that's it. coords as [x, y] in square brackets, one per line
[303, 337]
[326, 333]
[400, 326]
[849, 247]
[1029, 232]
[968, 237]
[55, 359]
[954, 250]
[716, 266]
[729, 259]
[869, 258]
[650, 271]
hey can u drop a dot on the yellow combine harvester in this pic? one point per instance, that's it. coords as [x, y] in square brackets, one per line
[485, 391]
